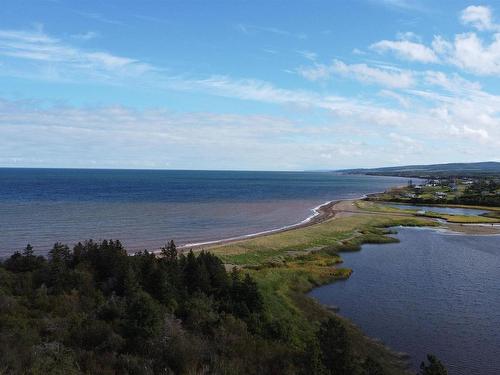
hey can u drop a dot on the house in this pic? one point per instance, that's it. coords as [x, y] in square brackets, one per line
[440, 195]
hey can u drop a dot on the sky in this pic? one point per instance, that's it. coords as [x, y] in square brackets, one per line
[248, 85]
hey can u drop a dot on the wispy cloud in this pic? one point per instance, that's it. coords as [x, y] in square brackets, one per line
[238, 141]
[39, 47]
[309, 55]
[401, 4]
[100, 18]
[432, 106]
[86, 35]
[254, 29]
[361, 72]
[406, 50]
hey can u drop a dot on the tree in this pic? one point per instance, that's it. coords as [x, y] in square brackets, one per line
[251, 294]
[195, 274]
[60, 258]
[143, 317]
[335, 347]
[435, 367]
[26, 261]
[169, 252]
[372, 367]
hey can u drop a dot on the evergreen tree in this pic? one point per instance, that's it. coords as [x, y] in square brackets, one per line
[335, 347]
[435, 367]
[372, 367]
[169, 252]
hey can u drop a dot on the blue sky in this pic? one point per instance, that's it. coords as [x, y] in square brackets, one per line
[260, 85]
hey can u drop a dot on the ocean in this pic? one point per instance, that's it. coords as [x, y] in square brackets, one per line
[146, 208]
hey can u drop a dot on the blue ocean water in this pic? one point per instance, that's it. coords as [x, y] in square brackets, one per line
[145, 208]
[433, 292]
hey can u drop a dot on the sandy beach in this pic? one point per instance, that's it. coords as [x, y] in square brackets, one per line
[343, 208]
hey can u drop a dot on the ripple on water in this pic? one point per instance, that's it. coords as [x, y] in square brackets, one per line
[430, 293]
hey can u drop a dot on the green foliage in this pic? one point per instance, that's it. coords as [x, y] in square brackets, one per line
[96, 310]
[335, 347]
[434, 367]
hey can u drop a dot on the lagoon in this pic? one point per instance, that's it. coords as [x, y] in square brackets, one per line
[434, 292]
[440, 209]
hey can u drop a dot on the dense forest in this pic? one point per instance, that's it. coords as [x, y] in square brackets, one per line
[96, 310]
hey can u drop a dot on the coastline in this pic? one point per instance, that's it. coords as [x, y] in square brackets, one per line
[342, 207]
[290, 262]
[320, 213]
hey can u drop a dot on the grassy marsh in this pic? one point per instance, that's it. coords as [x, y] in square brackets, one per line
[287, 265]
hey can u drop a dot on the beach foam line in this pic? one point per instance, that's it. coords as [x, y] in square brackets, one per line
[315, 212]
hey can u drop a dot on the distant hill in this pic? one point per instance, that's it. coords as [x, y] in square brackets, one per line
[489, 168]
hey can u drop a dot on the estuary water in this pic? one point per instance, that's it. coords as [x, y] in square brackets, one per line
[440, 210]
[433, 292]
[145, 208]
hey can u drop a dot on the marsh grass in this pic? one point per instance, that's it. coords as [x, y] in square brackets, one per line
[464, 219]
[287, 265]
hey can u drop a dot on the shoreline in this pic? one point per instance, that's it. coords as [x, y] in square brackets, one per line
[289, 265]
[321, 213]
[330, 210]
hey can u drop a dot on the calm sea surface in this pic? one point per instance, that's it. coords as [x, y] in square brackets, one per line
[146, 208]
[431, 293]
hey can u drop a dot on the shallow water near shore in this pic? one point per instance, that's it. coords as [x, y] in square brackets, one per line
[145, 208]
[439, 209]
[433, 292]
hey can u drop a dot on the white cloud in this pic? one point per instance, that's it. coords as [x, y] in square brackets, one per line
[410, 36]
[406, 50]
[308, 55]
[404, 101]
[470, 53]
[357, 51]
[453, 83]
[467, 51]
[434, 107]
[254, 29]
[402, 4]
[479, 17]
[38, 47]
[158, 138]
[86, 35]
[481, 133]
[361, 72]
